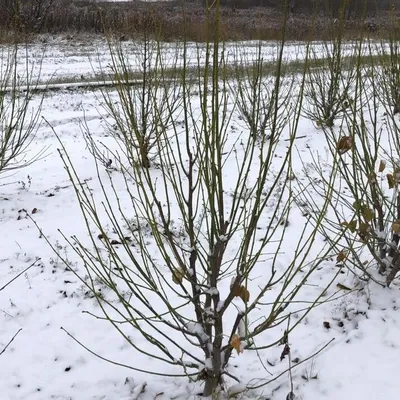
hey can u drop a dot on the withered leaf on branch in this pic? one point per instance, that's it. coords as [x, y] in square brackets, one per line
[243, 293]
[177, 275]
[357, 205]
[367, 213]
[390, 179]
[236, 344]
[285, 351]
[396, 226]
[396, 174]
[382, 166]
[352, 225]
[344, 144]
[343, 254]
[363, 230]
[343, 287]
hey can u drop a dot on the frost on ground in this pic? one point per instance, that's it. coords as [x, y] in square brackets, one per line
[53, 307]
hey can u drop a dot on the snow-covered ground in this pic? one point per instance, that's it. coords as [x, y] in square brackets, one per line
[70, 59]
[43, 362]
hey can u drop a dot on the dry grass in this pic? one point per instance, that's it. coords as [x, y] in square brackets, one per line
[170, 21]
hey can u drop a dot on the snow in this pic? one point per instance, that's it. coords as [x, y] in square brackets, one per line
[196, 328]
[81, 61]
[223, 238]
[52, 307]
[380, 234]
[241, 328]
[213, 291]
[220, 305]
[234, 390]
[208, 363]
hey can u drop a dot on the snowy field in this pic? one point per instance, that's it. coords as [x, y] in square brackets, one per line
[44, 362]
[68, 59]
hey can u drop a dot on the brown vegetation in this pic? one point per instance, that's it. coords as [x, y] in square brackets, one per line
[240, 19]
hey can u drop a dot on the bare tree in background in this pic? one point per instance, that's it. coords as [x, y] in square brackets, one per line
[30, 14]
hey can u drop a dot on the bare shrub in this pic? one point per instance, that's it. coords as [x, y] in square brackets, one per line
[309, 19]
[145, 107]
[192, 259]
[364, 152]
[18, 121]
[328, 90]
[27, 15]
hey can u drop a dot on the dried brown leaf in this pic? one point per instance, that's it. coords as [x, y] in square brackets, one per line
[352, 225]
[177, 275]
[367, 213]
[390, 180]
[342, 255]
[244, 294]
[364, 228]
[396, 226]
[344, 144]
[364, 231]
[343, 287]
[285, 351]
[236, 344]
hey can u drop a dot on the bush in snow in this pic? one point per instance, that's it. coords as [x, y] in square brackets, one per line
[146, 98]
[329, 85]
[193, 252]
[18, 121]
[365, 171]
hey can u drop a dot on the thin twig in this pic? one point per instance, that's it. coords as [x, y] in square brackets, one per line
[11, 340]
[22, 272]
[295, 366]
[120, 364]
